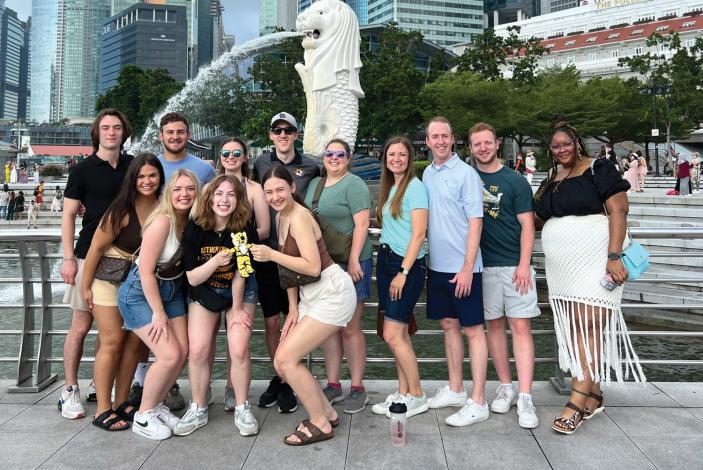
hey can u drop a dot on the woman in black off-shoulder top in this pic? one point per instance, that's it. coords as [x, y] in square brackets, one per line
[584, 205]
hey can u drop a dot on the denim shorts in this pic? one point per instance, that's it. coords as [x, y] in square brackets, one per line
[134, 308]
[251, 290]
[387, 267]
[363, 287]
[443, 303]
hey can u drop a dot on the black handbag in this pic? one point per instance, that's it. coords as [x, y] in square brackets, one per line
[338, 243]
[116, 270]
[209, 299]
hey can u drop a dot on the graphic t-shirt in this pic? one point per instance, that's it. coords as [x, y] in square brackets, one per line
[506, 194]
[339, 202]
[200, 245]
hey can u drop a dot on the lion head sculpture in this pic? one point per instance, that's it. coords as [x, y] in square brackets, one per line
[334, 29]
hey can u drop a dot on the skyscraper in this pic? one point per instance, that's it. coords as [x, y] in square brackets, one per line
[65, 71]
[277, 14]
[508, 11]
[14, 65]
[360, 7]
[443, 23]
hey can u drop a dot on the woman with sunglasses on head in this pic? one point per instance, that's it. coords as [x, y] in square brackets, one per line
[216, 286]
[584, 205]
[234, 162]
[119, 235]
[345, 203]
[152, 305]
[402, 213]
[326, 304]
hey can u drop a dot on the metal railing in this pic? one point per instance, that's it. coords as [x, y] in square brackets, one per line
[36, 335]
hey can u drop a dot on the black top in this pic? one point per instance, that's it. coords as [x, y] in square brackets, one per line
[304, 169]
[583, 194]
[200, 245]
[19, 203]
[130, 237]
[95, 184]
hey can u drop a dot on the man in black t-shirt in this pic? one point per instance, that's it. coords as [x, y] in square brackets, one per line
[273, 299]
[94, 183]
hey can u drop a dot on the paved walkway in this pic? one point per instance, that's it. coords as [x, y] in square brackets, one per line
[659, 425]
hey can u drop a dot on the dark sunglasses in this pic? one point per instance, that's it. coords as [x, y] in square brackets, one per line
[335, 153]
[231, 153]
[287, 130]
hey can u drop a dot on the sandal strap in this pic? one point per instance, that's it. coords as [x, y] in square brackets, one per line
[314, 430]
[570, 405]
[589, 394]
[596, 396]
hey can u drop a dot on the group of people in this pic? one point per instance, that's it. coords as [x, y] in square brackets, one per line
[13, 206]
[168, 245]
[634, 169]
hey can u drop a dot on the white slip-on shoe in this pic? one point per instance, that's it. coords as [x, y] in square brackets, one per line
[471, 413]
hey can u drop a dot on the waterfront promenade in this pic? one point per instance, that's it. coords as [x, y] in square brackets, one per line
[651, 426]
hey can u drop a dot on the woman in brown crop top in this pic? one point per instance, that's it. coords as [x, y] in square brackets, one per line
[325, 306]
[118, 235]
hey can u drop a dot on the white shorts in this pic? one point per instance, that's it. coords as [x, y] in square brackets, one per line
[72, 296]
[500, 298]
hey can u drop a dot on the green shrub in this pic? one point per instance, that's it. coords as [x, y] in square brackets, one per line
[52, 170]
[419, 167]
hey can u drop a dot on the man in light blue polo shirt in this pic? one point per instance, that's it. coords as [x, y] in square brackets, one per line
[454, 287]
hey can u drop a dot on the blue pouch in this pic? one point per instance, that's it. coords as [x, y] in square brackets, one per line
[636, 260]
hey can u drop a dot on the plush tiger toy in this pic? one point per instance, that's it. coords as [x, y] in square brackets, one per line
[241, 250]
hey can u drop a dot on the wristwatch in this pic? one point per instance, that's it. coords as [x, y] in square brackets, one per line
[613, 256]
[403, 271]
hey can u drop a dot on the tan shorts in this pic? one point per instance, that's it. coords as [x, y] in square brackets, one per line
[501, 299]
[105, 293]
[72, 296]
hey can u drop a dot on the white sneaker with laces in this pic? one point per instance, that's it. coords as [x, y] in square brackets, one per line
[382, 408]
[471, 413]
[527, 416]
[149, 425]
[193, 419]
[446, 397]
[415, 405]
[70, 403]
[164, 414]
[505, 398]
[245, 421]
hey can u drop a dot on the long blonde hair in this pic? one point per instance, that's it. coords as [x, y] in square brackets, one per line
[388, 180]
[165, 207]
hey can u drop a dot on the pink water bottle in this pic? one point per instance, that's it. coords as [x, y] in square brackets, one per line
[399, 422]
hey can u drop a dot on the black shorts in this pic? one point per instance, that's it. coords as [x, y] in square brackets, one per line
[272, 298]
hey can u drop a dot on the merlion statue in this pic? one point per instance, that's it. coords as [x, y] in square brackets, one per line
[330, 74]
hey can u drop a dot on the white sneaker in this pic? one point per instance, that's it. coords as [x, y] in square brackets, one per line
[149, 425]
[70, 403]
[526, 413]
[445, 397]
[506, 397]
[193, 419]
[164, 414]
[382, 408]
[471, 413]
[245, 421]
[415, 405]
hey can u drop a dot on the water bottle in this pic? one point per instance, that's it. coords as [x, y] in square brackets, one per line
[398, 424]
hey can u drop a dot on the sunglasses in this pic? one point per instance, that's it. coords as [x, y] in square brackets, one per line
[287, 130]
[335, 153]
[231, 153]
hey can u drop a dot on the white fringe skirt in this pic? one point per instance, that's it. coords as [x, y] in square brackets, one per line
[576, 253]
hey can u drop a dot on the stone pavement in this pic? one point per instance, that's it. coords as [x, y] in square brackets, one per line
[658, 425]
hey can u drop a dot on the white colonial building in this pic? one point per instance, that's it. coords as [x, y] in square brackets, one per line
[593, 36]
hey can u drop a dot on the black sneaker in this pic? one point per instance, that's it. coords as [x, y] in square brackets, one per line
[287, 403]
[135, 395]
[270, 396]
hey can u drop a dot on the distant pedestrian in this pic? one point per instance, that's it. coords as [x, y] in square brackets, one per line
[4, 198]
[13, 173]
[696, 171]
[32, 212]
[530, 166]
[19, 206]
[641, 170]
[632, 173]
[11, 206]
[684, 176]
[56, 201]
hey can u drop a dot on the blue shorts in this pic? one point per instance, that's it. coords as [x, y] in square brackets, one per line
[387, 268]
[134, 308]
[442, 303]
[251, 290]
[363, 287]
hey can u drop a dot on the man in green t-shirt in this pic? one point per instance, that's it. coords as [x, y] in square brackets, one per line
[508, 278]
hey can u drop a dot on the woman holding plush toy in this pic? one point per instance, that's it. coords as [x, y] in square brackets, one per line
[215, 254]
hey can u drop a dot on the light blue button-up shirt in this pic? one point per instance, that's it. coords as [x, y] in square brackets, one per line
[456, 195]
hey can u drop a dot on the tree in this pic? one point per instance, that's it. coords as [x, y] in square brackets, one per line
[139, 94]
[391, 84]
[490, 53]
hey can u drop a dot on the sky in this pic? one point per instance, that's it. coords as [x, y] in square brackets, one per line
[241, 16]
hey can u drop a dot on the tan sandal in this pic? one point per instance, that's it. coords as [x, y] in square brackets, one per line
[569, 425]
[600, 407]
[316, 435]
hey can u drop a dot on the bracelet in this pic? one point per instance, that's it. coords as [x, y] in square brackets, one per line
[70, 259]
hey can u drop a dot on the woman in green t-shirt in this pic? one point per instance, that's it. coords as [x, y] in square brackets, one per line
[345, 203]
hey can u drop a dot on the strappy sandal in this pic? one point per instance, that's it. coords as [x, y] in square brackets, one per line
[122, 412]
[333, 422]
[103, 421]
[569, 425]
[316, 435]
[588, 414]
